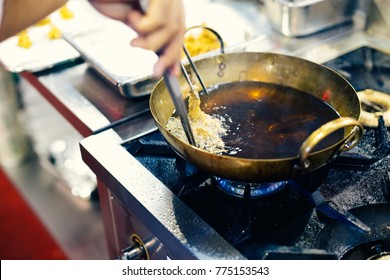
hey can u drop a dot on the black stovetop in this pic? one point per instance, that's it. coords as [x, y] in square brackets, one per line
[294, 222]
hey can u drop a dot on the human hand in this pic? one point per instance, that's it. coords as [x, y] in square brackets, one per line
[160, 28]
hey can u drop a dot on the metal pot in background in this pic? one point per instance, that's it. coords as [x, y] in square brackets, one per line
[294, 18]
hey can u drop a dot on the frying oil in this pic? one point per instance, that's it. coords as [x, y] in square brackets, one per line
[268, 121]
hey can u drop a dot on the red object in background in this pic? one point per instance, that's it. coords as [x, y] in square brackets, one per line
[22, 235]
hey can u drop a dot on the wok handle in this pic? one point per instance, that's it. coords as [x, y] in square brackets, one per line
[325, 130]
[191, 62]
[219, 37]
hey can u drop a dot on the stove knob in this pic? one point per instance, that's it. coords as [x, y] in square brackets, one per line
[136, 251]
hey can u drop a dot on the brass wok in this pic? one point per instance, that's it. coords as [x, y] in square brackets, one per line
[278, 69]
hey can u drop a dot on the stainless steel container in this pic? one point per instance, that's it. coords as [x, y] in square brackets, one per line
[295, 18]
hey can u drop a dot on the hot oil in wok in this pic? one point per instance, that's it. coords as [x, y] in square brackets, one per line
[268, 121]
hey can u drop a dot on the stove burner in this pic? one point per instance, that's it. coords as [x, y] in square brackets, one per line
[349, 244]
[369, 251]
[374, 104]
[249, 223]
[254, 190]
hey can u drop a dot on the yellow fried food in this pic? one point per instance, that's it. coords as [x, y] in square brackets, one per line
[208, 130]
[54, 33]
[24, 40]
[204, 42]
[65, 13]
[43, 22]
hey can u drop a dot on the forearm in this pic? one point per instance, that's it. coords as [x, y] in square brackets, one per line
[20, 14]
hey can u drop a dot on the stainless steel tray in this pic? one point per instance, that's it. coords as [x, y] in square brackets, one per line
[106, 48]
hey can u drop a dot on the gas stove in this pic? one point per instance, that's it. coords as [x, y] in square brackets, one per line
[282, 222]
[341, 211]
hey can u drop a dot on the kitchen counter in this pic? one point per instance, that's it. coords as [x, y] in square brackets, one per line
[84, 99]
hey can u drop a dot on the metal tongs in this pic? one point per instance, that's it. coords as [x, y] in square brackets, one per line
[191, 62]
[173, 87]
[185, 74]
